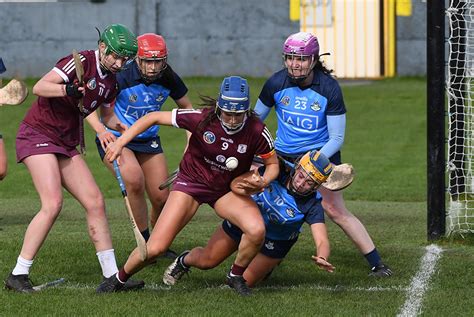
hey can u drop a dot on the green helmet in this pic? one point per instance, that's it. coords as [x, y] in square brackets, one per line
[120, 40]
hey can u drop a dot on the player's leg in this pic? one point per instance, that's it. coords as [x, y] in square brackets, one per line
[45, 173]
[134, 179]
[333, 204]
[78, 180]
[46, 178]
[219, 247]
[177, 212]
[155, 170]
[260, 267]
[243, 212]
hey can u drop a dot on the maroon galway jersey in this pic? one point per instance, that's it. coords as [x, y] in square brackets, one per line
[58, 117]
[204, 160]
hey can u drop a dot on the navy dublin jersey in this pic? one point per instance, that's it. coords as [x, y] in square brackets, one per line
[210, 146]
[136, 98]
[285, 213]
[301, 113]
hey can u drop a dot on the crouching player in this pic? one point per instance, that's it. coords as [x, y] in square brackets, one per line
[294, 190]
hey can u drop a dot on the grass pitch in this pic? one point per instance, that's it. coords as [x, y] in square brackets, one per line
[386, 143]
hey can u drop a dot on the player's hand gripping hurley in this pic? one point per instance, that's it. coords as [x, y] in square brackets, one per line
[141, 243]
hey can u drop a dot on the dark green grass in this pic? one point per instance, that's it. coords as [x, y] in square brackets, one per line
[385, 140]
[297, 287]
[386, 143]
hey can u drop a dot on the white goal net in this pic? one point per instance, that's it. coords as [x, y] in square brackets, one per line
[460, 112]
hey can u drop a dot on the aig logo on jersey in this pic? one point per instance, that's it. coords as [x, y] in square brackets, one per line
[91, 84]
[209, 137]
[242, 148]
[285, 100]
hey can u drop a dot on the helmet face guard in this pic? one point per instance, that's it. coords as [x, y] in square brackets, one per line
[299, 49]
[309, 173]
[152, 52]
[233, 101]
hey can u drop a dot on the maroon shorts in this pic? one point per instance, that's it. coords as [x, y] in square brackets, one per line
[32, 142]
[203, 194]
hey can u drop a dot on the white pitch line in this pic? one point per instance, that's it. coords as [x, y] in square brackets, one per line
[420, 282]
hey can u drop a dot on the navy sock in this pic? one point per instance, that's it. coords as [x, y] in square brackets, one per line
[373, 258]
[146, 234]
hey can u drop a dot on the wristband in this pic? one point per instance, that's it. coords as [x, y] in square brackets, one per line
[72, 90]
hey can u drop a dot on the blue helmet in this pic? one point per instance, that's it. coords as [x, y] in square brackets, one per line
[234, 95]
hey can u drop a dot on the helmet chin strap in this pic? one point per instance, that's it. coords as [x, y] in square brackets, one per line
[229, 130]
[103, 68]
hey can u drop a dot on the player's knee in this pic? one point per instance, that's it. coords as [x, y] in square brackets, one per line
[255, 232]
[338, 214]
[95, 204]
[136, 186]
[158, 200]
[155, 250]
[52, 207]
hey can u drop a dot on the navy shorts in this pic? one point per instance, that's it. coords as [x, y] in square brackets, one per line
[276, 249]
[335, 159]
[148, 146]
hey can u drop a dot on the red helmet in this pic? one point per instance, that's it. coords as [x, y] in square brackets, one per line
[151, 46]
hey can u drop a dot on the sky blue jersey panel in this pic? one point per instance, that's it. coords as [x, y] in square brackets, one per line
[302, 112]
[136, 98]
[283, 213]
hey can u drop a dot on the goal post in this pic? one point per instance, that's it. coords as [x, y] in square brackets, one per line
[436, 201]
[450, 115]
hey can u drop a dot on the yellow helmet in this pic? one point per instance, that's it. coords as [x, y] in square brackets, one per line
[316, 166]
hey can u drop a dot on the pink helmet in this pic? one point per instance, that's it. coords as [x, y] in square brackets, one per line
[301, 43]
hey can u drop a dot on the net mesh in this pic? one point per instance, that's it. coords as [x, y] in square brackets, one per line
[460, 147]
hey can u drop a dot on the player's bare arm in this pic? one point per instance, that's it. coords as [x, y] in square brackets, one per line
[105, 137]
[52, 85]
[160, 117]
[321, 241]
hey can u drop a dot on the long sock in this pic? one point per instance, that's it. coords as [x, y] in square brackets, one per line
[107, 262]
[22, 266]
[123, 276]
[237, 270]
[373, 258]
[146, 234]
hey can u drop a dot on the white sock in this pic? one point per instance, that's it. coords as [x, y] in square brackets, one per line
[107, 262]
[22, 266]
